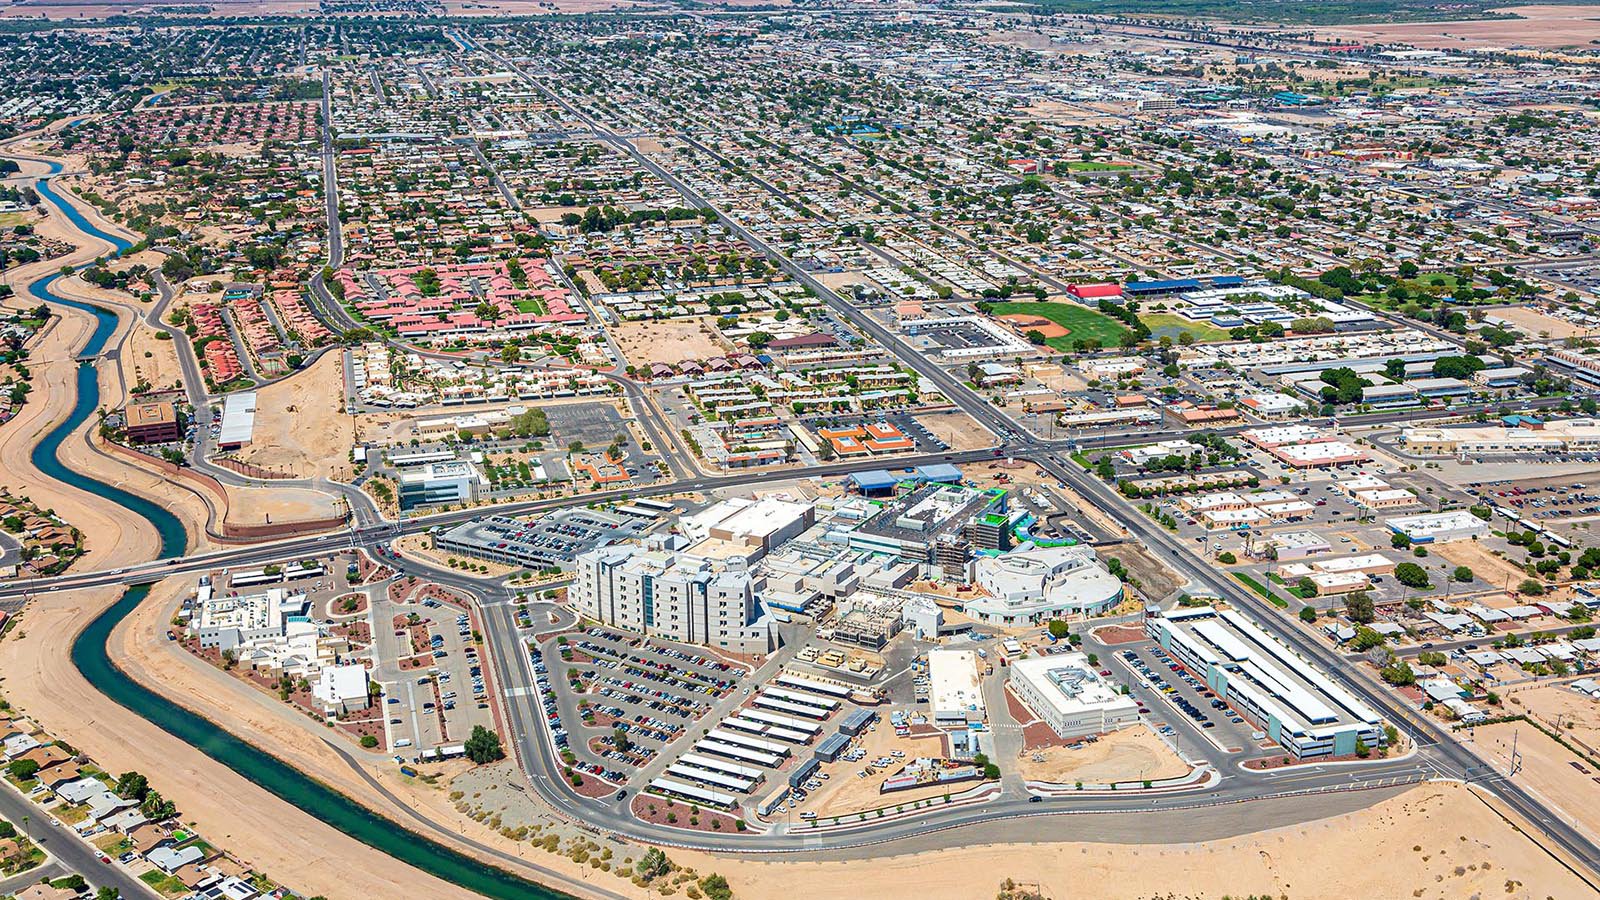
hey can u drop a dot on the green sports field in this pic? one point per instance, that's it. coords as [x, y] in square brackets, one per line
[1081, 322]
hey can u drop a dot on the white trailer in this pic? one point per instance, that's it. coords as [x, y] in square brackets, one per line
[714, 779]
[789, 722]
[690, 792]
[734, 751]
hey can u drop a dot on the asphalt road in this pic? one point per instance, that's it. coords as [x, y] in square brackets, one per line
[73, 853]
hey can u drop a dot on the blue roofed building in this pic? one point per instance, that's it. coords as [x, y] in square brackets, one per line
[943, 473]
[1160, 288]
[875, 482]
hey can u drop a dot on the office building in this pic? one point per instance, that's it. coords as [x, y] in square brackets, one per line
[671, 595]
[1065, 692]
[440, 482]
[155, 422]
[1297, 706]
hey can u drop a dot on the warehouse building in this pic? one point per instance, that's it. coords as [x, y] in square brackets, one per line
[1298, 706]
[1065, 692]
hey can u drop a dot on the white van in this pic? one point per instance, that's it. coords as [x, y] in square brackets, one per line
[403, 742]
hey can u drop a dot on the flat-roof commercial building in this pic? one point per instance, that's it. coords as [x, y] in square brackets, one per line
[1439, 528]
[1066, 693]
[955, 687]
[1293, 545]
[1559, 436]
[154, 422]
[675, 596]
[1319, 454]
[238, 420]
[1298, 706]
[440, 482]
[552, 540]
[1035, 585]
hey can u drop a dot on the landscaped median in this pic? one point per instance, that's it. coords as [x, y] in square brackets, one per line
[974, 796]
[1198, 779]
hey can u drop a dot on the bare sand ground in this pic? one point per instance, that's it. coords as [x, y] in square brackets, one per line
[1537, 323]
[668, 341]
[1488, 567]
[1545, 26]
[1131, 754]
[301, 426]
[1462, 849]
[1577, 716]
[1548, 770]
[957, 429]
[151, 360]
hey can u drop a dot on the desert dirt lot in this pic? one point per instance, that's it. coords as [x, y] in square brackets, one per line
[301, 426]
[1535, 323]
[844, 792]
[1132, 754]
[1437, 842]
[1547, 27]
[669, 341]
[1549, 770]
[1555, 704]
[150, 360]
[957, 429]
[1484, 564]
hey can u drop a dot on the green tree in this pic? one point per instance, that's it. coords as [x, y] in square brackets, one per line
[653, 864]
[1358, 606]
[1462, 574]
[22, 769]
[132, 786]
[1058, 629]
[483, 746]
[1411, 575]
[715, 887]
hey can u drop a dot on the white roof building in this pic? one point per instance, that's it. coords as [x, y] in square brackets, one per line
[1065, 692]
[341, 688]
[1032, 585]
[1455, 525]
[955, 687]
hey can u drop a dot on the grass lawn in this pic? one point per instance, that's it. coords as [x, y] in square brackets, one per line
[1421, 286]
[1082, 322]
[532, 305]
[70, 813]
[1262, 589]
[1171, 325]
[171, 885]
[113, 844]
[1081, 166]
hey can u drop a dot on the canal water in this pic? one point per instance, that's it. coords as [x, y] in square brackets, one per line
[89, 653]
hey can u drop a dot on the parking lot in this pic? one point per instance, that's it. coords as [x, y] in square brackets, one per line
[437, 696]
[1191, 709]
[599, 684]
